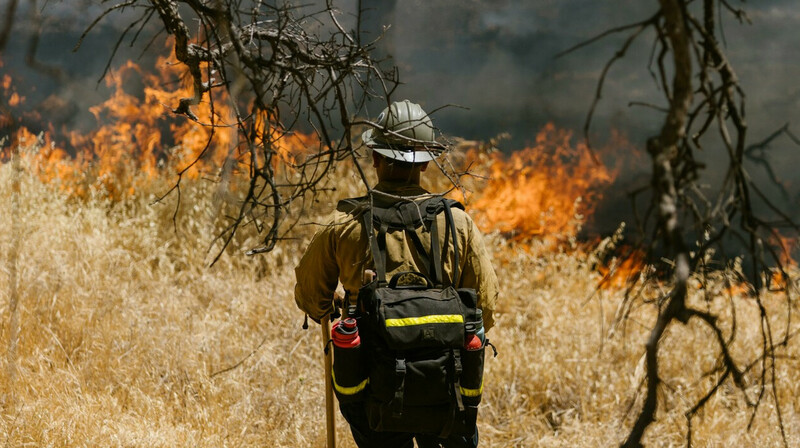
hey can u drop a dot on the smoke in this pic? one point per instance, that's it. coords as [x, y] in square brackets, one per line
[499, 60]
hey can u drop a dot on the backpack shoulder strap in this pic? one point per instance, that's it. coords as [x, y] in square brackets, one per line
[448, 205]
[433, 207]
[407, 216]
[361, 208]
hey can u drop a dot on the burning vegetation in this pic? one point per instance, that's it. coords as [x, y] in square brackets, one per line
[545, 191]
[138, 140]
[542, 193]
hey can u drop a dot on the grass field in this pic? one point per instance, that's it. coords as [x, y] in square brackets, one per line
[115, 333]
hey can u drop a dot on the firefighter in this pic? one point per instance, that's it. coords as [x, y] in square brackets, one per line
[402, 147]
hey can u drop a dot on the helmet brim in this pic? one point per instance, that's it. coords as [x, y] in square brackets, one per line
[419, 154]
[409, 156]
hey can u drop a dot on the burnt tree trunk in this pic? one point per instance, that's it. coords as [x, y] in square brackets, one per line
[663, 149]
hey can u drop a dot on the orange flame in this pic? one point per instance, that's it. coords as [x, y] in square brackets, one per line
[621, 273]
[16, 99]
[737, 289]
[543, 191]
[138, 138]
[786, 245]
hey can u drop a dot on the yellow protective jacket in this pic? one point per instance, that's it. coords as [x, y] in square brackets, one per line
[339, 251]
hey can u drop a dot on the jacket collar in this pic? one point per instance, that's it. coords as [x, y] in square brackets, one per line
[400, 188]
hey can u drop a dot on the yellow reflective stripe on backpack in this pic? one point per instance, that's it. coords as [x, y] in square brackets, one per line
[471, 392]
[348, 390]
[432, 319]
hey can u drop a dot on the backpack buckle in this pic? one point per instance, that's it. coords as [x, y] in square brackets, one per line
[400, 367]
[400, 375]
[430, 214]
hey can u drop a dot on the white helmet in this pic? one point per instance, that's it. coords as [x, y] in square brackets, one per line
[406, 133]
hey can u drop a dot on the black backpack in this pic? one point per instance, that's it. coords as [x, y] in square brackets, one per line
[412, 371]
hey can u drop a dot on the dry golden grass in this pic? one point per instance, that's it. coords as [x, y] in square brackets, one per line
[124, 337]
